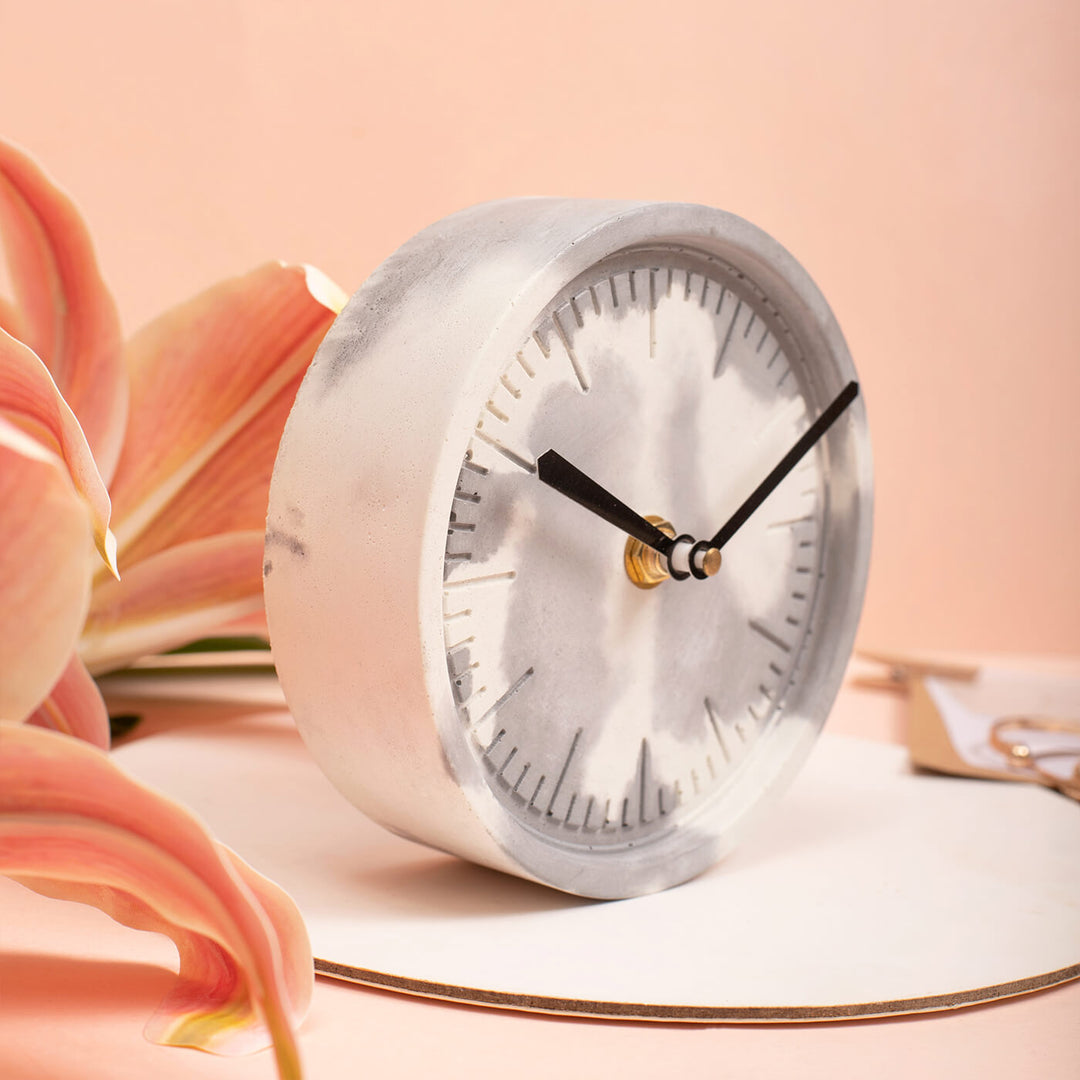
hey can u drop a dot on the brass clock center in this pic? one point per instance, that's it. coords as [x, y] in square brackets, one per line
[646, 567]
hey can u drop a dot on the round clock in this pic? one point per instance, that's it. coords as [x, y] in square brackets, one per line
[568, 536]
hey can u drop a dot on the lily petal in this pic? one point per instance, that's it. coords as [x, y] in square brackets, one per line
[46, 565]
[202, 377]
[75, 707]
[65, 312]
[29, 395]
[178, 595]
[74, 826]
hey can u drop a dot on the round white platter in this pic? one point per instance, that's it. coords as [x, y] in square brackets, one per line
[868, 891]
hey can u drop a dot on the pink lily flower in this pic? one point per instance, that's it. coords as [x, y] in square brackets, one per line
[158, 455]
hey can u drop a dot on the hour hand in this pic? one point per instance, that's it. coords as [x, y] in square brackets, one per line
[555, 471]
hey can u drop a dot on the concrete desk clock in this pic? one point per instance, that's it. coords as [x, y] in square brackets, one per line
[568, 538]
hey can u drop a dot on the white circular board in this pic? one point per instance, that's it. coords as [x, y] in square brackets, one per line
[868, 891]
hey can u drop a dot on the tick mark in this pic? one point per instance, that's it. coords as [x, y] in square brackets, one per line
[510, 757]
[510, 455]
[727, 340]
[577, 313]
[791, 521]
[714, 722]
[540, 342]
[498, 704]
[562, 774]
[525, 365]
[582, 381]
[769, 636]
[510, 387]
[643, 769]
[506, 575]
[471, 465]
[524, 773]
[652, 314]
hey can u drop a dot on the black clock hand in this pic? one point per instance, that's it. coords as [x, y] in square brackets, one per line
[555, 471]
[792, 458]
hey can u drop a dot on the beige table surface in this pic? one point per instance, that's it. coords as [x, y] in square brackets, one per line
[76, 989]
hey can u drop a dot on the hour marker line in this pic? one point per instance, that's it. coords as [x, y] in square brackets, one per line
[582, 381]
[510, 387]
[506, 575]
[643, 769]
[499, 448]
[769, 636]
[562, 774]
[727, 340]
[493, 709]
[710, 711]
[577, 313]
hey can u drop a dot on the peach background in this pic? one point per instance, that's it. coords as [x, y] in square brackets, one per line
[920, 158]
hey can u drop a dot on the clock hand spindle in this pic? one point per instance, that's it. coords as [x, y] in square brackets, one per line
[792, 458]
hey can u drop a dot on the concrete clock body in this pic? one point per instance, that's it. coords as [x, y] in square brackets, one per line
[467, 651]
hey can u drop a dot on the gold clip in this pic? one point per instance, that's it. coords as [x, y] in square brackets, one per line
[1021, 756]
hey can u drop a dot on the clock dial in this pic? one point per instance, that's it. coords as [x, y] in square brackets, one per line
[605, 715]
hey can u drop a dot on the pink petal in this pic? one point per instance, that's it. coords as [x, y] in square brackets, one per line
[46, 563]
[178, 595]
[65, 311]
[211, 384]
[73, 825]
[29, 396]
[75, 707]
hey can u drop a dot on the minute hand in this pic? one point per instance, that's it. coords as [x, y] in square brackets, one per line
[792, 458]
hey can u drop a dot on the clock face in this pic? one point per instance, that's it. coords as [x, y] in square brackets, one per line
[602, 714]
